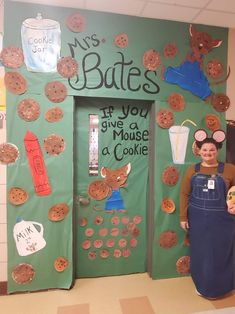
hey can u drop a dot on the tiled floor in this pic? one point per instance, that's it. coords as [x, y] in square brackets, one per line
[131, 294]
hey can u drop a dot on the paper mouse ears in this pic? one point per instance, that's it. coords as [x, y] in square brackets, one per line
[219, 135]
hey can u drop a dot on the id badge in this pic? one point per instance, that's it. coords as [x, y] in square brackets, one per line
[211, 184]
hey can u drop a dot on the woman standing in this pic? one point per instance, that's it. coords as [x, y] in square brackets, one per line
[208, 219]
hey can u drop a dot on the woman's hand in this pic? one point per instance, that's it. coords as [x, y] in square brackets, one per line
[231, 208]
[184, 225]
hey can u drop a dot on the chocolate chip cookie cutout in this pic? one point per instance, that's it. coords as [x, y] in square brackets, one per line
[151, 60]
[214, 69]
[121, 40]
[168, 239]
[176, 102]
[12, 57]
[220, 102]
[195, 149]
[183, 265]
[23, 273]
[56, 91]
[54, 144]
[17, 196]
[9, 153]
[165, 118]
[28, 110]
[15, 83]
[54, 114]
[170, 175]
[58, 212]
[76, 22]
[67, 67]
[60, 264]
[212, 122]
[98, 190]
[170, 50]
[168, 205]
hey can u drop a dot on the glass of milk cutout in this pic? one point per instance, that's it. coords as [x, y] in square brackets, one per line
[28, 236]
[41, 43]
[179, 140]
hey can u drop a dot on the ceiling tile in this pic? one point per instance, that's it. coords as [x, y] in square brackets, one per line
[187, 3]
[61, 3]
[216, 19]
[226, 6]
[169, 12]
[129, 7]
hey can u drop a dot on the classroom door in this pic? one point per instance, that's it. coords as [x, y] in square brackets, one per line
[111, 186]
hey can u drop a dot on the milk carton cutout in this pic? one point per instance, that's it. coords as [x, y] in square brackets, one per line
[28, 238]
[41, 44]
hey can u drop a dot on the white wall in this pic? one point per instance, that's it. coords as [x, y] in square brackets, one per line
[230, 113]
[3, 222]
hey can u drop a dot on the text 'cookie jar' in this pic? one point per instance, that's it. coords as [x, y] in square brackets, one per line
[41, 42]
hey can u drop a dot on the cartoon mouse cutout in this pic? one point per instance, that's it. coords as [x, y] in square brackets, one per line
[114, 179]
[189, 75]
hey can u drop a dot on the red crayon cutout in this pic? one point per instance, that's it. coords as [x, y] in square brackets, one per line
[37, 165]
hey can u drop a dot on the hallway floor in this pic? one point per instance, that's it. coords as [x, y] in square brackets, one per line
[131, 294]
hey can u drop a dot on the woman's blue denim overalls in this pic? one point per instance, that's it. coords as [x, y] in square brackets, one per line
[211, 232]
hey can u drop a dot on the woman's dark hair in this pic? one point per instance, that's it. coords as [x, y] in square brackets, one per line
[209, 140]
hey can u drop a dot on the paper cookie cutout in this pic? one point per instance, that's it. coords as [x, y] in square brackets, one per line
[54, 144]
[98, 243]
[9, 153]
[212, 122]
[89, 232]
[15, 83]
[12, 57]
[82, 221]
[176, 102]
[183, 265]
[168, 205]
[92, 255]
[168, 239]
[17, 196]
[117, 253]
[165, 118]
[220, 102]
[54, 114]
[98, 190]
[36, 164]
[121, 40]
[99, 220]
[76, 23]
[58, 212]
[28, 110]
[86, 245]
[170, 50]
[133, 242]
[67, 67]
[151, 60]
[60, 264]
[104, 253]
[103, 232]
[23, 274]
[170, 175]
[195, 149]
[56, 91]
[214, 69]
[110, 243]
